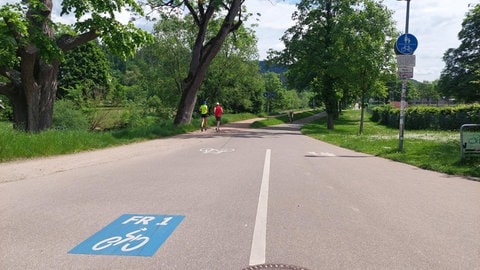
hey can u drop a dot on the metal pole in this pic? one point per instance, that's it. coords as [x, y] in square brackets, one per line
[402, 116]
[408, 17]
[404, 93]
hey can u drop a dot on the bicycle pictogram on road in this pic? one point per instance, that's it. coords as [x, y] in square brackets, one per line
[130, 235]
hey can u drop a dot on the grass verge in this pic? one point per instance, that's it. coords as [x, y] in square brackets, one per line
[282, 119]
[432, 150]
[19, 145]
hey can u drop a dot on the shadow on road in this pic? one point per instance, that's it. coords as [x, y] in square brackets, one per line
[242, 129]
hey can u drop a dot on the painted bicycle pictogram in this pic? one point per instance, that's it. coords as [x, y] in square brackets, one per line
[130, 235]
[131, 241]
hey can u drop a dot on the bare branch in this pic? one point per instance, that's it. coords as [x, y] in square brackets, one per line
[68, 42]
[13, 75]
[193, 12]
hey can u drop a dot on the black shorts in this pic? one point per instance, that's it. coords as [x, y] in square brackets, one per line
[218, 118]
[204, 115]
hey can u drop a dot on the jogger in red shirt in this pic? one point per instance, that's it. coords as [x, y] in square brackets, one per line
[218, 111]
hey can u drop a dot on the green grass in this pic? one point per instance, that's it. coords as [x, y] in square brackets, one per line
[19, 145]
[281, 119]
[432, 150]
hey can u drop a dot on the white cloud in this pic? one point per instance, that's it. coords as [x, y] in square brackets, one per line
[435, 24]
[274, 20]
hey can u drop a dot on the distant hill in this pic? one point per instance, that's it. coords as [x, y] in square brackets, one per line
[265, 67]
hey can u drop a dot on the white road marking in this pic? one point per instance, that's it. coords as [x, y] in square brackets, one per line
[324, 154]
[355, 209]
[216, 151]
[259, 241]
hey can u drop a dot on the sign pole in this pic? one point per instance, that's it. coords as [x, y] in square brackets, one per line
[402, 116]
[404, 93]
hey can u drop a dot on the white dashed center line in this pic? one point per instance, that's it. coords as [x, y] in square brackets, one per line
[259, 241]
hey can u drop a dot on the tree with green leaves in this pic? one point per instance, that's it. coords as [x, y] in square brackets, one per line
[233, 77]
[461, 76]
[85, 74]
[337, 45]
[159, 68]
[31, 53]
[427, 91]
[369, 49]
[207, 43]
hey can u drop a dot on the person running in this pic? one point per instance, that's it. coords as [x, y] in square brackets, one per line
[204, 113]
[218, 115]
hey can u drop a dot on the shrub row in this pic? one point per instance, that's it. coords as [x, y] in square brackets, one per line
[427, 117]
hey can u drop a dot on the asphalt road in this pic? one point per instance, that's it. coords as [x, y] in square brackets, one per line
[239, 197]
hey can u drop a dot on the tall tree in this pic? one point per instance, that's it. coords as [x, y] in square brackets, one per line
[233, 77]
[369, 48]
[206, 46]
[164, 63]
[85, 74]
[461, 75]
[336, 44]
[30, 60]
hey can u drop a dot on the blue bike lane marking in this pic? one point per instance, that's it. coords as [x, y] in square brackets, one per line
[130, 235]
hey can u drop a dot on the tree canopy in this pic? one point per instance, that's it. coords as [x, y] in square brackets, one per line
[336, 46]
[30, 60]
[461, 76]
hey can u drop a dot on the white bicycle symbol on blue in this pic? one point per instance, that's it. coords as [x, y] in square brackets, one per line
[137, 241]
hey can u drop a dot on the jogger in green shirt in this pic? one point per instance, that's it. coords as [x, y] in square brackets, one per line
[204, 112]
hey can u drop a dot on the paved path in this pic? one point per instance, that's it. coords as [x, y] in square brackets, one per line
[247, 196]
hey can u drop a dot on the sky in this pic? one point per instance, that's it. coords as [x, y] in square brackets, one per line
[435, 24]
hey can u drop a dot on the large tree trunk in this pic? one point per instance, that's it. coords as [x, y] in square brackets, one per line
[33, 103]
[202, 55]
[362, 111]
[330, 100]
[188, 100]
[33, 87]
[363, 90]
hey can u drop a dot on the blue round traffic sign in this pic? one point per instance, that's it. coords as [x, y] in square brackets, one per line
[406, 44]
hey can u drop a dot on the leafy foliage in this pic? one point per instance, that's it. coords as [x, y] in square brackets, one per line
[338, 47]
[67, 115]
[427, 117]
[85, 74]
[461, 75]
[33, 53]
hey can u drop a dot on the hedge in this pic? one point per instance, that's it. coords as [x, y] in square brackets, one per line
[428, 117]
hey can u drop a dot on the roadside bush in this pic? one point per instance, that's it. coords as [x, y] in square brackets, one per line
[427, 117]
[135, 116]
[6, 111]
[67, 116]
